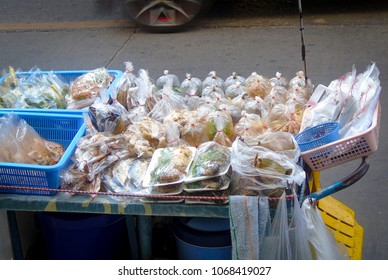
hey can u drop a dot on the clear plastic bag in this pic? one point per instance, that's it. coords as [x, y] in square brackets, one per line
[234, 79]
[170, 102]
[264, 169]
[298, 234]
[213, 92]
[126, 86]
[213, 79]
[195, 132]
[281, 142]
[109, 118]
[249, 125]
[258, 85]
[277, 95]
[234, 90]
[191, 86]
[142, 97]
[279, 80]
[257, 106]
[21, 143]
[284, 117]
[162, 80]
[85, 89]
[365, 94]
[276, 245]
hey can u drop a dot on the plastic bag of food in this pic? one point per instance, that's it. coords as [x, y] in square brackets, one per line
[283, 117]
[143, 97]
[211, 159]
[213, 79]
[213, 92]
[162, 80]
[151, 130]
[234, 90]
[109, 118]
[191, 86]
[170, 165]
[262, 169]
[173, 137]
[258, 85]
[300, 80]
[221, 123]
[126, 176]
[85, 89]
[277, 95]
[256, 106]
[279, 80]
[181, 117]
[126, 86]
[195, 132]
[42, 90]
[234, 110]
[281, 142]
[170, 102]
[249, 125]
[233, 79]
[227, 123]
[21, 143]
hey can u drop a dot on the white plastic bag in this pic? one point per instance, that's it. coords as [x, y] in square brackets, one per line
[276, 245]
[298, 235]
[322, 243]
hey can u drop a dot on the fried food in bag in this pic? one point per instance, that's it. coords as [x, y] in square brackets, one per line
[21, 143]
[126, 87]
[162, 80]
[258, 85]
[195, 132]
[249, 125]
[85, 89]
[284, 117]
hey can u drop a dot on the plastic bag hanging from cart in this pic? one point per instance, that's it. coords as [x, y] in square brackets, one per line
[322, 243]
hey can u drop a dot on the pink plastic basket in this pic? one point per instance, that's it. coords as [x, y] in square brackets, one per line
[347, 149]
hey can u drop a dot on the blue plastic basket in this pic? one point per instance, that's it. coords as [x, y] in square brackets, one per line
[69, 76]
[318, 136]
[65, 129]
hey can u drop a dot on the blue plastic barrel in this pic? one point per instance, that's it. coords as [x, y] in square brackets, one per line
[202, 238]
[79, 236]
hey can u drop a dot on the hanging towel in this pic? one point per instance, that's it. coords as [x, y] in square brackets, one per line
[249, 222]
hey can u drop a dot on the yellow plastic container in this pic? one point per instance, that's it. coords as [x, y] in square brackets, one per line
[340, 219]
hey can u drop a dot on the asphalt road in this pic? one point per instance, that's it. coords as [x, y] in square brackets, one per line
[241, 36]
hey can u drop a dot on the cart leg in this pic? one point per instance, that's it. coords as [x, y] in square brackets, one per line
[132, 237]
[145, 236]
[15, 237]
